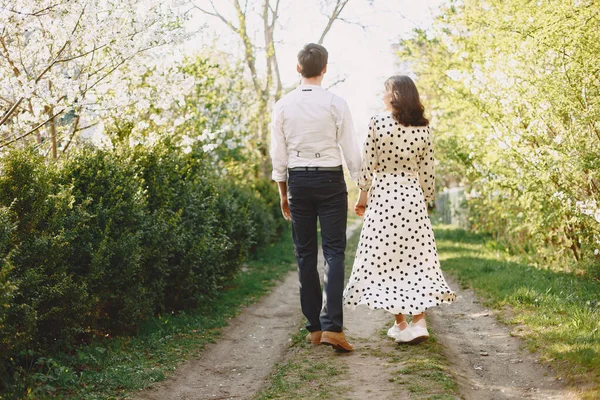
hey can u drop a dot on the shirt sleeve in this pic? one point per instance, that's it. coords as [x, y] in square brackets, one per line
[348, 141]
[370, 159]
[279, 152]
[427, 169]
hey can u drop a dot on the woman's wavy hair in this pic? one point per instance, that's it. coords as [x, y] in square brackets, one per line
[407, 108]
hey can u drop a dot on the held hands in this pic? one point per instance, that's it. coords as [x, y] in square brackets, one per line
[360, 209]
[361, 203]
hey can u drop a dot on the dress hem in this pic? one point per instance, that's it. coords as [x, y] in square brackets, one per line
[415, 311]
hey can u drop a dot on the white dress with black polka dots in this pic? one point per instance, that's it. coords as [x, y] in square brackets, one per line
[396, 266]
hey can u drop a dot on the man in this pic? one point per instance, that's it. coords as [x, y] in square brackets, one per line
[311, 127]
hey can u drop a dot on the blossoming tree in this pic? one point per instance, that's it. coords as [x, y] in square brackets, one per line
[64, 66]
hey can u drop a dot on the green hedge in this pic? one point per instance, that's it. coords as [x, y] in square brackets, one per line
[99, 242]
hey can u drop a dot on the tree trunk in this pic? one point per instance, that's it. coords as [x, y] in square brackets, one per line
[50, 111]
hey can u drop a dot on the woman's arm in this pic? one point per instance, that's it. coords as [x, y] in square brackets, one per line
[369, 158]
[367, 170]
[427, 169]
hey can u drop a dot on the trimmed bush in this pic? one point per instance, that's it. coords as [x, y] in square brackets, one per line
[95, 244]
[6, 287]
[106, 240]
[48, 303]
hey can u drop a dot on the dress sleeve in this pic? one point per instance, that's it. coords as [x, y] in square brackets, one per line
[369, 159]
[427, 169]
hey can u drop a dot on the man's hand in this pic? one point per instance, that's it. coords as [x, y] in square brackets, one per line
[285, 209]
[285, 205]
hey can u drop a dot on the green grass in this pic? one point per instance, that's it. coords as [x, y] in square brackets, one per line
[304, 375]
[558, 313]
[425, 372]
[113, 367]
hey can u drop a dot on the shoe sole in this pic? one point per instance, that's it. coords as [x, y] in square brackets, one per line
[417, 340]
[335, 345]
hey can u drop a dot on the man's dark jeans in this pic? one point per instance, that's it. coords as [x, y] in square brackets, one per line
[321, 194]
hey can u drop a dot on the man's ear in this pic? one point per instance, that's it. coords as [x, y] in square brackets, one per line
[298, 68]
[324, 70]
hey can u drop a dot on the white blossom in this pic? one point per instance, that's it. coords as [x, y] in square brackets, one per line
[89, 57]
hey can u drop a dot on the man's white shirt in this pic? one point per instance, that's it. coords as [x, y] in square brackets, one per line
[312, 127]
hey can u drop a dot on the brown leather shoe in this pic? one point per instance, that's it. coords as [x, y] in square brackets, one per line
[337, 340]
[314, 337]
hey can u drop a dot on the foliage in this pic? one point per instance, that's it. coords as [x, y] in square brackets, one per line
[557, 313]
[97, 244]
[515, 96]
[212, 113]
[68, 65]
[111, 367]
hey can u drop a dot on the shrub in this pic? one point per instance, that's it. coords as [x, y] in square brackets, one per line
[183, 249]
[269, 194]
[7, 227]
[47, 303]
[104, 239]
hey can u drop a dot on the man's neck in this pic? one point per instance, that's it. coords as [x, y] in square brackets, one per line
[315, 81]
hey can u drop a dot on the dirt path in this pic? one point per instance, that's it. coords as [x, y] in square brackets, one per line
[237, 365]
[489, 363]
[369, 369]
[247, 350]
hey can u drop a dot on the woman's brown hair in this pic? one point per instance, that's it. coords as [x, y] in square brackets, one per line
[406, 104]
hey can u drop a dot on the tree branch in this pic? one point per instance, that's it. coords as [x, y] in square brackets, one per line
[31, 131]
[72, 135]
[8, 58]
[337, 10]
[36, 13]
[216, 14]
[337, 82]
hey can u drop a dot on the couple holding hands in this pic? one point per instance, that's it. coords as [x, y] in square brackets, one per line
[396, 267]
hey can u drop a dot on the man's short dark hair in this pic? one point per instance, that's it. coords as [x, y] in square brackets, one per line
[312, 59]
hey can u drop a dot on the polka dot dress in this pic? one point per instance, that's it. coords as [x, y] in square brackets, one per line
[396, 266]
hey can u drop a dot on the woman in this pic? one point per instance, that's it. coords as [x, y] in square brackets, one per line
[396, 266]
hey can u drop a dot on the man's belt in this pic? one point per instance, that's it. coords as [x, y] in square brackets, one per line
[338, 168]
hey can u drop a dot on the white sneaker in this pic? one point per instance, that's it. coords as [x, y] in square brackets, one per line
[400, 335]
[419, 332]
[394, 331]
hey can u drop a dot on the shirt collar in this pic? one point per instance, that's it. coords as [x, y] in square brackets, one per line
[304, 86]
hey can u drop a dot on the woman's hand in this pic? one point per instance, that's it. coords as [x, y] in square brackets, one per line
[360, 209]
[361, 203]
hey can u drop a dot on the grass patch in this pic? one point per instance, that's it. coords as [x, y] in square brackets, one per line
[558, 313]
[304, 377]
[425, 373]
[110, 368]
